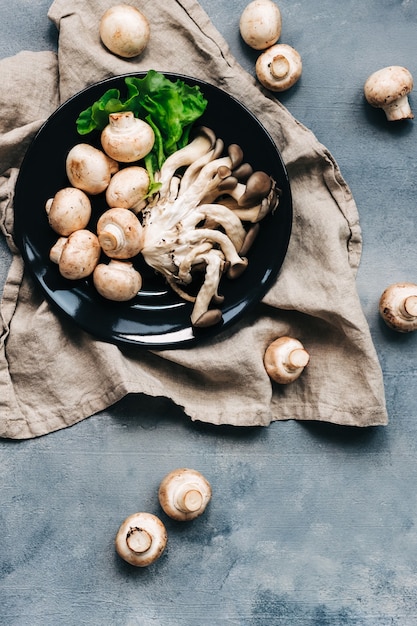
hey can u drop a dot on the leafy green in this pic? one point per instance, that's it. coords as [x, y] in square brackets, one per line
[171, 108]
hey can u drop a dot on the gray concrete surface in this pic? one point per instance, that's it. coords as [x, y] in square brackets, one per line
[309, 524]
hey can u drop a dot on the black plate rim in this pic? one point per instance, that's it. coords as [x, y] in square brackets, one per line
[187, 337]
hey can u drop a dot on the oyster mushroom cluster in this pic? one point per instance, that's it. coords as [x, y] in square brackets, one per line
[196, 228]
[204, 219]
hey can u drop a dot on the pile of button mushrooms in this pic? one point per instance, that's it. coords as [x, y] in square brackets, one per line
[206, 214]
[201, 222]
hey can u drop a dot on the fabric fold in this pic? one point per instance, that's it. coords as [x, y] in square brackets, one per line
[53, 374]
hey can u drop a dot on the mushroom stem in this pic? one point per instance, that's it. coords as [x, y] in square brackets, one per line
[398, 110]
[138, 540]
[296, 358]
[188, 499]
[410, 307]
[279, 66]
[111, 238]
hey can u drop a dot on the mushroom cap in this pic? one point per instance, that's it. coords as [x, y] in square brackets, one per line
[279, 67]
[117, 280]
[387, 85]
[127, 138]
[141, 539]
[120, 233]
[398, 307]
[128, 188]
[285, 359]
[124, 30]
[260, 24]
[68, 210]
[77, 255]
[184, 494]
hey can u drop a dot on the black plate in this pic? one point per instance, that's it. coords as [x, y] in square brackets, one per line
[156, 318]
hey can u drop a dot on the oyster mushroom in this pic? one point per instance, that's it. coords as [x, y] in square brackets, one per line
[398, 307]
[285, 359]
[120, 233]
[388, 89]
[184, 494]
[260, 24]
[279, 67]
[117, 280]
[141, 539]
[189, 229]
[68, 210]
[76, 255]
[89, 169]
[127, 138]
[128, 188]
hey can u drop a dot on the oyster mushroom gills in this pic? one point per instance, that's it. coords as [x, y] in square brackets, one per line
[202, 219]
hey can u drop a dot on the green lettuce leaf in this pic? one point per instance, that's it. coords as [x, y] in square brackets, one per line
[170, 107]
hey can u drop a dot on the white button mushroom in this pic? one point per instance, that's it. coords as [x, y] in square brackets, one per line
[120, 233]
[279, 67]
[260, 24]
[184, 494]
[141, 539]
[398, 307]
[127, 138]
[68, 210]
[117, 280]
[76, 255]
[388, 89]
[124, 30]
[128, 188]
[89, 169]
[285, 359]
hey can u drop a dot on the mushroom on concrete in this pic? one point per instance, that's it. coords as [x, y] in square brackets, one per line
[76, 255]
[117, 280]
[398, 307]
[120, 233]
[388, 89]
[184, 494]
[285, 359]
[260, 24]
[68, 210]
[141, 539]
[279, 67]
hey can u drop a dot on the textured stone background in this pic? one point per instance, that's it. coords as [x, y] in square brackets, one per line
[309, 524]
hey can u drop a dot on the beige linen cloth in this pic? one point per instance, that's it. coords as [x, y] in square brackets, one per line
[52, 374]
